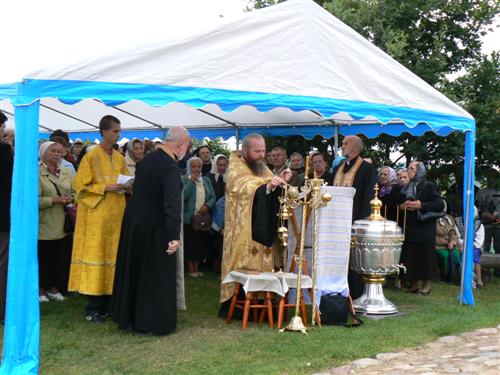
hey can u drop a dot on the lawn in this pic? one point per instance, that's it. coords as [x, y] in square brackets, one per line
[204, 344]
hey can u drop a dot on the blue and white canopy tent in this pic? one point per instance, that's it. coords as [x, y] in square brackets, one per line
[289, 69]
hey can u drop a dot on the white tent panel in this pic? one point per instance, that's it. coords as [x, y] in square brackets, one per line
[305, 48]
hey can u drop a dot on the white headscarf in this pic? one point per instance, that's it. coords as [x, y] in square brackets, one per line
[214, 167]
[43, 149]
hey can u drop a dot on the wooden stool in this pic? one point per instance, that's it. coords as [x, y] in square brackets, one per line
[251, 302]
[283, 306]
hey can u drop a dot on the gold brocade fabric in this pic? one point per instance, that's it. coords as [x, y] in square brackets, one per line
[240, 251]
[346, 179]
[98, 223]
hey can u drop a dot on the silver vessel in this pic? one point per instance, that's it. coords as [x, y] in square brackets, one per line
[375, 252]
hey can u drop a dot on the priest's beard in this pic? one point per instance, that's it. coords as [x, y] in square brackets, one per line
[257, 166]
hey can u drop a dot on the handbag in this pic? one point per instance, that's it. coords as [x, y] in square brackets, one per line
[335, 310]
[69, 214]
[424, 217]
[201, 222]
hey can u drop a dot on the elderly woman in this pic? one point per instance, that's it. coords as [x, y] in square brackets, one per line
[389, 192]
[418, 253]
[199, 197]
[218, 175]
[54, 244]
[134, 153]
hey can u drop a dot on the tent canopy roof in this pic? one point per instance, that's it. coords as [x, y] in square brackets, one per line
[289, 65]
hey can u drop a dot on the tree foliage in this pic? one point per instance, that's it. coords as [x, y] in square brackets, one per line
[216, 145]
[432, 38]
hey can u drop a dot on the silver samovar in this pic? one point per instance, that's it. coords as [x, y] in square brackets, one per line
[375, 252]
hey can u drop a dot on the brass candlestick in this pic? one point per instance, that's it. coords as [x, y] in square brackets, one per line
[312, 197]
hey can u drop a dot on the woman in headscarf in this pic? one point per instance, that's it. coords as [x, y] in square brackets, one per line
[199, 197]
[54, 244]
[418, 255]
[134, 153]
[217, 175]
[388, 192]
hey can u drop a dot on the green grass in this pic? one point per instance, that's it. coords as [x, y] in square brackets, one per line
[204, 344]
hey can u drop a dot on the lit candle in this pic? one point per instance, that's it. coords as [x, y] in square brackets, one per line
[315, 175]
[306, 172]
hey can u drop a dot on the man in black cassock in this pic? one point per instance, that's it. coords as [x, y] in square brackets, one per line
[144, 292]
[359, 174]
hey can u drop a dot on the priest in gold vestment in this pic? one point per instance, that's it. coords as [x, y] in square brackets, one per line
[252, 204]
[101, 204]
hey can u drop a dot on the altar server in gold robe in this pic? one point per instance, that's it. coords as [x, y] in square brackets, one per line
[101, 204]
[252, 204]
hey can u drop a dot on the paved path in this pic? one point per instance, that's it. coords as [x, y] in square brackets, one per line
[476, 352]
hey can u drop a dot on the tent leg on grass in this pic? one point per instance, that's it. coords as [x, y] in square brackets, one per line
[466, 296]
[22, 323]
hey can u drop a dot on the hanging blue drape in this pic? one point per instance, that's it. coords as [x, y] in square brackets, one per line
[22, 320]
[466, 296]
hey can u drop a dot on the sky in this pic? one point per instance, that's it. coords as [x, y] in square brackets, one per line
[38, 34]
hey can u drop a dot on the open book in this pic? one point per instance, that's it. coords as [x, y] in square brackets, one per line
[126, 181]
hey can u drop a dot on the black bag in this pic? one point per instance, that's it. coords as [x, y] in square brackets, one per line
[335, 310]
[69, 224]
[201, 222]
[424, 217]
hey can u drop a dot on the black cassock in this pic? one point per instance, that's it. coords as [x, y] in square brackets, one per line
[265, 210]
[144, 293]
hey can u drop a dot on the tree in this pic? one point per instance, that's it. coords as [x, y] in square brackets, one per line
[432, 38]
[258, 4]
[216, 145]
[479, 93]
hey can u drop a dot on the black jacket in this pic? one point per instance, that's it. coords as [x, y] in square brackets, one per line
[6, 168]
[417, 231]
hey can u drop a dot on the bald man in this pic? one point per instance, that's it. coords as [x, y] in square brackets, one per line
[145, 284]
[359, 174]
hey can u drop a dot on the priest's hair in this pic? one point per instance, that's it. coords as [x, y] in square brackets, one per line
[176, 133]
[246, 141]
[358, 141]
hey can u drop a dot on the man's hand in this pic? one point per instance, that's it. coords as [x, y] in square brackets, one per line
[203, 209]
[114, 187]
[286, 175]
[173, 246]
[274, 183]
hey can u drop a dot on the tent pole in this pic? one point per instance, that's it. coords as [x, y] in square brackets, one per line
[466, 294]
[163, 135]
[237, 138]
[22, 319]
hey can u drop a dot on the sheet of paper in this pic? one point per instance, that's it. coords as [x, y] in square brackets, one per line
[124, 180]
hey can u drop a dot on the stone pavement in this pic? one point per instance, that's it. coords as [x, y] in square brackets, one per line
[476, 352]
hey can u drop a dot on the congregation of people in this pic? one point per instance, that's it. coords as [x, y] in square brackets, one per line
[116, 243]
